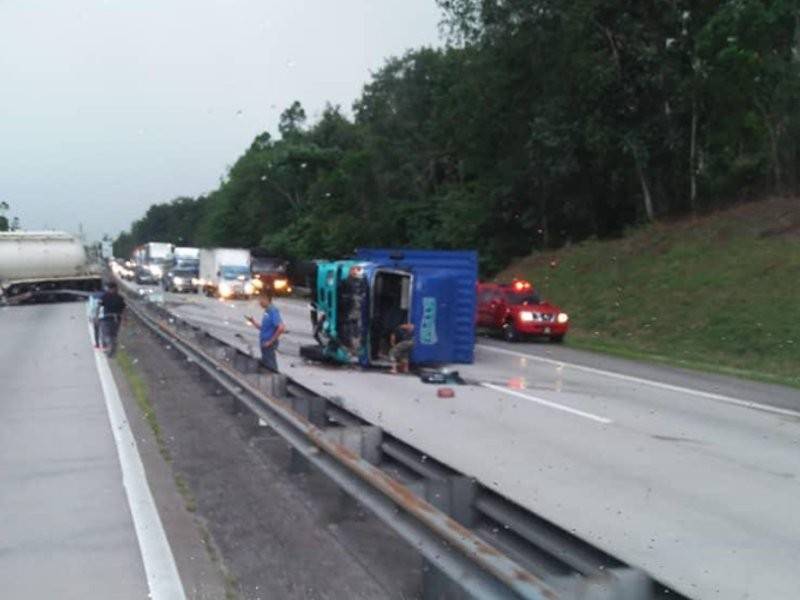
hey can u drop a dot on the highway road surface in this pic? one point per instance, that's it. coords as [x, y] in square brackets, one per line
[694, 478]
[69, 529]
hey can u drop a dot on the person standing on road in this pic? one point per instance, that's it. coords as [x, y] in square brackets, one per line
[112, 305]
[270, 330]
[93, 312]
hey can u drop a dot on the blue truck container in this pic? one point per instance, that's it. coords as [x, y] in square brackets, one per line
[357, 303]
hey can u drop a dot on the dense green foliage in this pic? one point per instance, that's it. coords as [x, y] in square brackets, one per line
[717, 292]
[540, 123]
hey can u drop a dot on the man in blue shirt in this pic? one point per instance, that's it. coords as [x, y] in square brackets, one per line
[269, 332]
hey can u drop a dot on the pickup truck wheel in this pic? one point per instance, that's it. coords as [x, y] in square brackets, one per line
[510, 333]
[557, 339]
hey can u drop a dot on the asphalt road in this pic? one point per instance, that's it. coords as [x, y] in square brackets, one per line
[692, 477]
[65, 527]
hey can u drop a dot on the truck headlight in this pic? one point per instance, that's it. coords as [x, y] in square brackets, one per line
[527, 316]
[225, 290]
[279, 284]
[562, 318]
[156, 271]
[177, 280]
[249, 288]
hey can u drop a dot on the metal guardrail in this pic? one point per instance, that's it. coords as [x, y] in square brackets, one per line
[483, 545]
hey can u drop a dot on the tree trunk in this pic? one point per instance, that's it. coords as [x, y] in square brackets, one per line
[774, 136]
[774, 132]
[648, 199]
[693, 158]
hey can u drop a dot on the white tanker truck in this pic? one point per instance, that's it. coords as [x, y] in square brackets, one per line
[48, 264]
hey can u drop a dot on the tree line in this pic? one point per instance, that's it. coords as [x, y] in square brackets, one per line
[539, 123]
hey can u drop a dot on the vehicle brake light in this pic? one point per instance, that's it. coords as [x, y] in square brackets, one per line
[521, 285]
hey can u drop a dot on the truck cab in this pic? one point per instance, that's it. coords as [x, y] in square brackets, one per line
[516, 310]
[358, 303]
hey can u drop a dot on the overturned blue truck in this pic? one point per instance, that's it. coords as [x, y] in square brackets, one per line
[357, 303]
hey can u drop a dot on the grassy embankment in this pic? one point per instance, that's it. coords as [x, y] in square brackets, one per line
[718, 293]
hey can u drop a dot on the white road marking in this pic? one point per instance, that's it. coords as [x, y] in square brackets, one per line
[549, 404]
[159, 563]
[664, 386]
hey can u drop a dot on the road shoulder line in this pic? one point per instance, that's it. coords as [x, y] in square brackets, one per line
[159, 563]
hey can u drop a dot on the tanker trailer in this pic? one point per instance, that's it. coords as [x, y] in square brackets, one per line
[48, 265]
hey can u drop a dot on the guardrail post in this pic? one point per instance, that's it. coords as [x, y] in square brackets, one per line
[623, 583]
[278, 385]
[244, 364]
[454, 496]
[364, 440]
[312, 408]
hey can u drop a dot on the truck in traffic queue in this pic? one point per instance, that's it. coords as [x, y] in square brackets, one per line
[516, 311]
[225, 273]
[151, 260]
[49, 265]
[185, 255]
[358, 303]
[183, 273]
[270, 271]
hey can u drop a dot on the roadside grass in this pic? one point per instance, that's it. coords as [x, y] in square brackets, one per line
[138, 388]
[719, 293]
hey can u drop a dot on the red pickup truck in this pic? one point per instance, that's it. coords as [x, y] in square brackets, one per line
[517, 311]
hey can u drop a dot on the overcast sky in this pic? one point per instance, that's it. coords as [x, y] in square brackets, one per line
[107, 107]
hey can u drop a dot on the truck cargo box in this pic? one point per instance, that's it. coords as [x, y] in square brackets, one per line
[442, 302]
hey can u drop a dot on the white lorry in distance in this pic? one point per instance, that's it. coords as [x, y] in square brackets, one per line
[151, 260]
[185, 254]
[225, 272]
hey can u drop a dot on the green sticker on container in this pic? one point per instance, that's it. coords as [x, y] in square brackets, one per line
[427, 333]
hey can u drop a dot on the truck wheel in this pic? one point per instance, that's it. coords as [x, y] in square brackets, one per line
[557, 339]
[510, 333]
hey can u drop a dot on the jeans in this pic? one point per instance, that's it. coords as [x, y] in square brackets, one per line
[269, 358]
[96, 330]
[109, 328]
